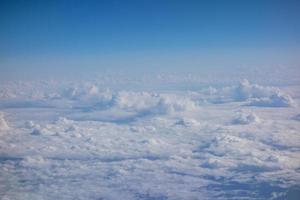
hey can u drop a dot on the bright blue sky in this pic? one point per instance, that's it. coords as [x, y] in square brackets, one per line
[140, 35]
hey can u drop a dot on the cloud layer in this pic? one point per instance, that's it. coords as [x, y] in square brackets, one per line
[207, 143]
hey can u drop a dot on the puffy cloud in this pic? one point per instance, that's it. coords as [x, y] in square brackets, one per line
[118, 137]
[245, 90]
[187, 122]
[253, 94]
[135, 101]
[275, 100]
[169, 104]
[3, 123]
[245, 118]
[34, 162]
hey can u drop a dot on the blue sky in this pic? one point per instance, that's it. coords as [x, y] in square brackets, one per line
[171, 35]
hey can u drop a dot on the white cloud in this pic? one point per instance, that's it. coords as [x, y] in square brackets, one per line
[246, 118]
[275, 100]
[3, 123]
[179, 141]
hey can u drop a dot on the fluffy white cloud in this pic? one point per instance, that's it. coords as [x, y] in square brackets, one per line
[184, 144]
[275, 100]
[245, 90]
[245, 118]
[3, 123]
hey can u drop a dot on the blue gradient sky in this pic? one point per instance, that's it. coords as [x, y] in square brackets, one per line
[54, 37]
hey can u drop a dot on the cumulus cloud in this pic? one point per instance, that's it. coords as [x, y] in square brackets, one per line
[34, 162]
[275, 100]
[187, 122]
[169, 104]
[135, 101]
[174, 138]
[88, 97]
[36, 131]
[29, 124]
[253, 95]
[153, 103]
[245, 90]
[3, 123]
[245, 118]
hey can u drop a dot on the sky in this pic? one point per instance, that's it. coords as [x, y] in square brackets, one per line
[85, 37]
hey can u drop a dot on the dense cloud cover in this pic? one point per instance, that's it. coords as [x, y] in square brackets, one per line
[87, 141]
